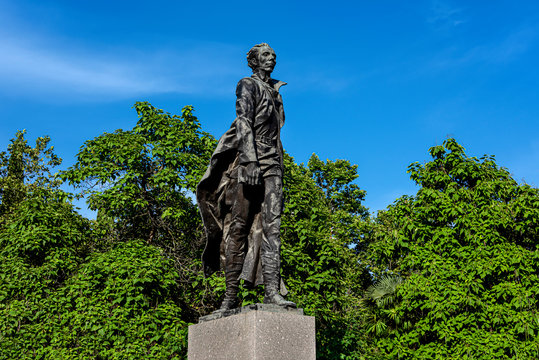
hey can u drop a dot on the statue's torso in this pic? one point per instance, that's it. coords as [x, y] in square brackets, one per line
[267, 117]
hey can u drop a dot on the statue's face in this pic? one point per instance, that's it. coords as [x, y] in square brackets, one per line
[266, 58]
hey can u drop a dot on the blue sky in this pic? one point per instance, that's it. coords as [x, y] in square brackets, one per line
[374, 82]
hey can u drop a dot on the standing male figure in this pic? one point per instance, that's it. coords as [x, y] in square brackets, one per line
[241, 196]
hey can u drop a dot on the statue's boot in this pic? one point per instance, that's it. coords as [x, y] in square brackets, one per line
[232, 279]
[277, 299]
[272, 279]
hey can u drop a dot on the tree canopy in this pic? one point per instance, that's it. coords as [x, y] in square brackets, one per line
[466, 245]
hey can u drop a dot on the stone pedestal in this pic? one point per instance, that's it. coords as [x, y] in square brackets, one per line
[255, 332]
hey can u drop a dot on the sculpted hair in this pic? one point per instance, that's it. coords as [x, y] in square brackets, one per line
[251, 55]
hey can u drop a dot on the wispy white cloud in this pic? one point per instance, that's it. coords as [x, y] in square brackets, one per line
[30, 67]
[34, 64]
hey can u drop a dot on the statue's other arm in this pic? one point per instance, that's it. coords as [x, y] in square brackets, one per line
[245, 115]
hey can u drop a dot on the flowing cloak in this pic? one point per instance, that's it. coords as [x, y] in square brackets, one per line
[256, 103]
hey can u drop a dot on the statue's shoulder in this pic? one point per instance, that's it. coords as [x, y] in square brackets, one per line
[246, 84]
[247, 81]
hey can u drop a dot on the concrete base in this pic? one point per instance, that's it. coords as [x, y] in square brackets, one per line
[258, 332]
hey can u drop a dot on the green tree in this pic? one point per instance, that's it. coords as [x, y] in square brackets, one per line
[142, 178]
[141, 181]
[62, 294]
[467, 246]
[23, 169]
[42, 242]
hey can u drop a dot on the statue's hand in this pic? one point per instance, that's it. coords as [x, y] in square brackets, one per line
[249, 174]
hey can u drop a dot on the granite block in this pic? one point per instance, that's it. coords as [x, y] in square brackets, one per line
[256, 332]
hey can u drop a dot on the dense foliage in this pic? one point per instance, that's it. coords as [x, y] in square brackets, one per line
[448, 273]
[467, 247]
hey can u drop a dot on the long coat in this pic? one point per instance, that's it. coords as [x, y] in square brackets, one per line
[256, 102]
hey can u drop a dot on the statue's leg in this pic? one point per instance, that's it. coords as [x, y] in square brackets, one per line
[236, 230]
[270, 250]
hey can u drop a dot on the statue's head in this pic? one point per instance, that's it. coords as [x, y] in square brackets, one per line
[261, 56]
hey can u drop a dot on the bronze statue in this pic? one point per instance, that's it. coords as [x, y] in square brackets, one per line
[240, 196]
